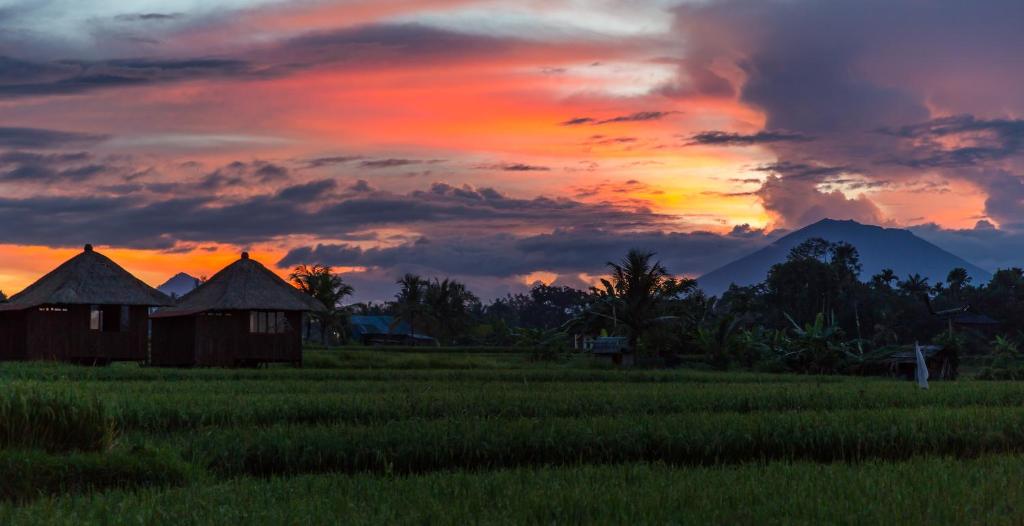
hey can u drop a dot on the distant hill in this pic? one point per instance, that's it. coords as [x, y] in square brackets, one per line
[879, 248]
[179, 285]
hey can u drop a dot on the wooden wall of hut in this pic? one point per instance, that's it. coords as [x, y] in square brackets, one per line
[223, 338]
[174, 341]
[12, 335]
[63, 333]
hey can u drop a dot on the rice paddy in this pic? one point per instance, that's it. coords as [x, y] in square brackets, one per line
[396, 437]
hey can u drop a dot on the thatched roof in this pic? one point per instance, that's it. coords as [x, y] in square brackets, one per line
[242, 285]
[89, 278]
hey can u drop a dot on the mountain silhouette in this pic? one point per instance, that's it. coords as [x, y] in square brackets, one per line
[879, 248]
[179, 285]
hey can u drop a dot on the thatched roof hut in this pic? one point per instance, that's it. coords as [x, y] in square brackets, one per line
[89, 309]
[90, 278]
[245, 314]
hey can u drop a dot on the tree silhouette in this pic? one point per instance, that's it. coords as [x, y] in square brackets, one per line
[320, 282]
[884, 279]
[637, 290]
[914, 285]
[409, 302]
[957, 279]
[449, 305]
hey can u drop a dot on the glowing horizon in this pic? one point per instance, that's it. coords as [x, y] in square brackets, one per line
[518, 141]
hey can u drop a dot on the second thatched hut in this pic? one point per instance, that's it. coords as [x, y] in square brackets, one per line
[244, 315]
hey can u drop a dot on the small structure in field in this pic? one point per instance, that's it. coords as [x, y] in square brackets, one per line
[244, 315]
[964, 317]
[384, 330]
[88, 310]
[941, 365]
[614, 349]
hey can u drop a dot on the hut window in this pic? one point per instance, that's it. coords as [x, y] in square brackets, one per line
[108, 318]
[267, 322]
[95, 318]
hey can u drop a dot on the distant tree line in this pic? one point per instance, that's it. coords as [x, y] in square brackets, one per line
[813, 312]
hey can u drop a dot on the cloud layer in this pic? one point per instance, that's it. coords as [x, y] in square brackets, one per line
[503, 140]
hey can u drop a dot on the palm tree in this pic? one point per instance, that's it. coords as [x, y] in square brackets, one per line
[448, 304]
[637, 290]
[958, 279]
[409, 302]
[914, 284]
[884, 279]
[320, 282]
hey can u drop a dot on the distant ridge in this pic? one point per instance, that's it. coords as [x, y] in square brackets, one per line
[879, 248]
[179, 285]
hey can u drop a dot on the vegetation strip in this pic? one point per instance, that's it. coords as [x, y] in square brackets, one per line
[25, 474]
[412, 446]
[54, 419]
[986, 492]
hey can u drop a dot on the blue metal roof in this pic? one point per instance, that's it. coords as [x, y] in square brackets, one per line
[364, 325]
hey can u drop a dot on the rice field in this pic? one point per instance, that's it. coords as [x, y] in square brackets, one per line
[371, 437]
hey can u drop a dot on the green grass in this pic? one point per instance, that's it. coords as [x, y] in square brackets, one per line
[395, 436]
[53, 418]
[412, 446]
[27, 474]
[368, 359]
[920, 491]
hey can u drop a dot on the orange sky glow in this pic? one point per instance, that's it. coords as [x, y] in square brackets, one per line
[442, 102]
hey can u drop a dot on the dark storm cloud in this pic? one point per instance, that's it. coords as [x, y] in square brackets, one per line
[37, 138]
[239, 173]
[396, 163]
[269, 172]
[19, 78]
[384, 44]
[306, 209]
[570, 250]
[39, 168]
[841, 71]
[309, 192]
[513, 167]
[983, 140]
[601, 139]
[576, 121]
[320, 162]
[721, 138]
[361, 186]
[639, 116]
[149, 17]
[983, 245]
[815, 172]
[363, 47]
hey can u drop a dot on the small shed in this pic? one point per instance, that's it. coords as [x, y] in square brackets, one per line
[614, 349]
[88, 310]
[941, 365]
[245, 315]
[384, 330]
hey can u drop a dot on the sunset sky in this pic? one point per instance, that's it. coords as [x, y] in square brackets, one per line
[499, 142]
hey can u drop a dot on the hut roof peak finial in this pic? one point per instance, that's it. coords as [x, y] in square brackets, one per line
[88, 247]
[245, 255]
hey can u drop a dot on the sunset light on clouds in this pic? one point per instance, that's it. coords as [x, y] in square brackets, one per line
[500, 142]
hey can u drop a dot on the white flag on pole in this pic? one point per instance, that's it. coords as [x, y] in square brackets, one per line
[922, 368]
